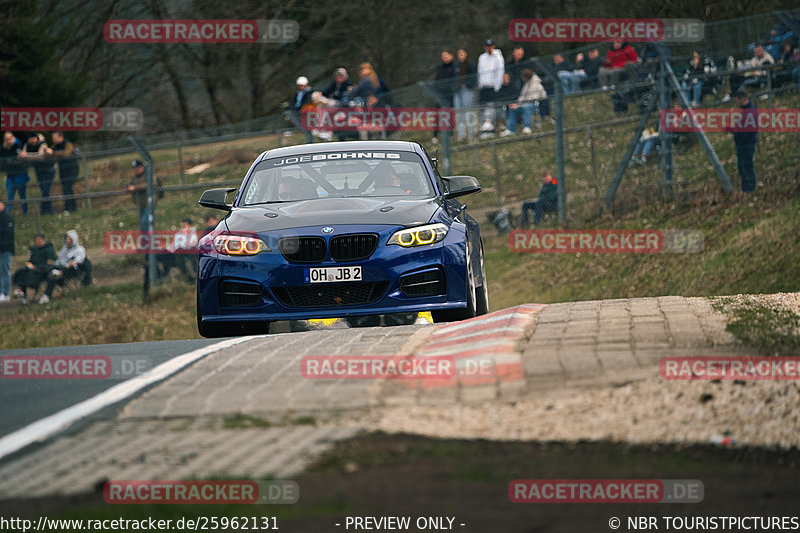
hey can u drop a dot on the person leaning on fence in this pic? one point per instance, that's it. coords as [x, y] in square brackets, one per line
[36, 268]
[490, 78]
[38, 154]
[138, 189]
[64, 152]
[444, 83]
[547, 202]
[464, 97]
[16, 171]
[71, 263]
[6, 251]
[745, 142]
[532, 92]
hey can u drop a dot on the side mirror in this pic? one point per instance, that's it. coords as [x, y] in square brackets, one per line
[216, 199]
[461, 185]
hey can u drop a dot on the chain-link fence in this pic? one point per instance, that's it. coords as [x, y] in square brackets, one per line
[598, 131]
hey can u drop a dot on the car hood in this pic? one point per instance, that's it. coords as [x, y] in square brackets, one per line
[333, 211]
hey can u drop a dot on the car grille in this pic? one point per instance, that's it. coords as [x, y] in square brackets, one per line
[302, 249]
[428, 283]
[331, 294]
[235, 294]
[353, 247]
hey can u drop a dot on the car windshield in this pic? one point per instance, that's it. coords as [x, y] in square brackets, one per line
[337, 175]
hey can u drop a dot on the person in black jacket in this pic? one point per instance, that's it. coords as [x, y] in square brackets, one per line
[546, 202]
[16, 170]
[64, 152]
[35, 271]
[38, 154]
[446, 77]
[746, 141]
[338, 88]
[6, 251]
[464, 97]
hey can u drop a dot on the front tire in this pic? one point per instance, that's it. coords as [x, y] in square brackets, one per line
[454, 315]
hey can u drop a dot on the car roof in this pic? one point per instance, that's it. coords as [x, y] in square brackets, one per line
[302, 149]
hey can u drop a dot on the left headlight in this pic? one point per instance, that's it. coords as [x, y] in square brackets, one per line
[239, 245]
[419, 236]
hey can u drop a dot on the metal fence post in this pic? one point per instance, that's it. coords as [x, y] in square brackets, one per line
[85, 162]
[562, 190]
[150, 282]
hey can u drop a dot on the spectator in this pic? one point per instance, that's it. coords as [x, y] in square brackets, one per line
[368, 85]
[754, 78]
[6, 251]
[464, 97]
[532, 92]
[519, 61]
[570, 76]
[138, 189]
[184, 250]
[789, 59]
[647, 142]
[508, 92]
[620, 60]
[773, 40]
[35, 270]
[693, 80]
[211, 223]
[745, 142]
[589, 65]
[36, 152]
[445, 83]
[300, 102]
[338, 88]
[16, 173]
[70, 263]
[547, 201]
[68, 168]
[490, 78]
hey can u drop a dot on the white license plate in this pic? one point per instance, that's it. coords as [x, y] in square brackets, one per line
[333, 274]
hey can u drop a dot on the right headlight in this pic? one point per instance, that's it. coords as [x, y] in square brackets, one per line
[419, 236]
[239, 245]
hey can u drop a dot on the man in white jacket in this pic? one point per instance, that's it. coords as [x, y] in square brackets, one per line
[491, 68]
[70, 263]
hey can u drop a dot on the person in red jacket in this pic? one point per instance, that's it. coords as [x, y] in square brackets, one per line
[621, 59]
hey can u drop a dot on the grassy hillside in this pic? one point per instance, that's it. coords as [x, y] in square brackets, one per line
[752, 243]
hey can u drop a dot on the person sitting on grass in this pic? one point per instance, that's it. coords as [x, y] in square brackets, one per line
[547, 202]
[645, 146]
[35, 270]
[71, 263]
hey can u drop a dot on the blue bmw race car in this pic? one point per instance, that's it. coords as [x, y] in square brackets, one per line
[347, 229]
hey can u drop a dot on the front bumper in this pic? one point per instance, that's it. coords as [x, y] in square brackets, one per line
[270, 280]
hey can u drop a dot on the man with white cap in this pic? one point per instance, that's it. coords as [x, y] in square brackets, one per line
[302, 97]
